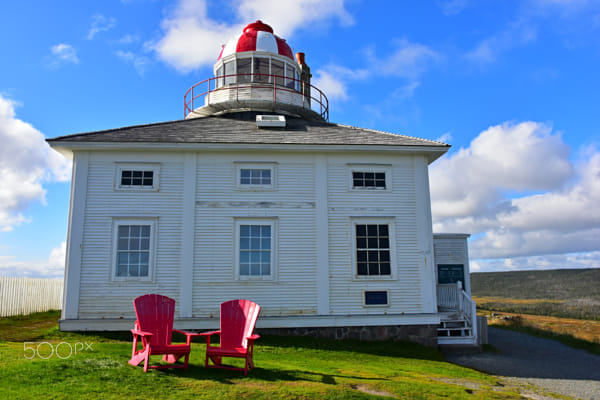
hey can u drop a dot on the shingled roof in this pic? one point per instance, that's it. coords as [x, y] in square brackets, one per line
[241, 129]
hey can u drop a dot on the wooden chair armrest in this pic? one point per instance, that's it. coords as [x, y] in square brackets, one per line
[252, 338]
[207, 334]
[141, 333]
[188, 335]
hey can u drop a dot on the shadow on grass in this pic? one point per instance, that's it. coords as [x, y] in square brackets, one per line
[271, 375]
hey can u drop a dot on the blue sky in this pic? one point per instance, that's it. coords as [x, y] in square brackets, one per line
[512, 85]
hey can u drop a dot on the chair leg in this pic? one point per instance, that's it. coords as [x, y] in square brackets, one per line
[146, 361]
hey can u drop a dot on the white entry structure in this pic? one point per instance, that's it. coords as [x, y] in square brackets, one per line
[255, 195]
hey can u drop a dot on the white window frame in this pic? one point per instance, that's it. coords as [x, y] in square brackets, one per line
[390, 222]
[152, 222]
[255, 165]
[386, 169]
[154, 167]
[274, 233]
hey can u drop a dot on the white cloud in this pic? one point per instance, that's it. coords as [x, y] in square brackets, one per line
[54, 267]
[452, 7]
[139, 62]
[516, 190]
[62, 54]
[407, 61]
[100, 23]
[516, 34]
[26, 162]
[192, 38]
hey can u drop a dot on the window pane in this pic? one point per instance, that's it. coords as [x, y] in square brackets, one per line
[265, 231]
[123, 231]
[255, 230]
[361, 256]
[277, 70]
[372, 243]
[373, 269]
[143, 269]
[384, 243]
[254, 269]
[266, 269]
[244, 257]
[134, 270]
[383, 230]
[372, 230]
[255, 257]
[244, 243]
[134, 231]
[220, 75]
[229, 70]
[261, 69]
[245, 269]
[385, 269]
[245, 230]
[122, 270]
[244, 66]
[265, 244]
[361, 230]
[289, 73]
[362, 268]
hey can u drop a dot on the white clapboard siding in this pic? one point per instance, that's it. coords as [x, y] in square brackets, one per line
[290, 204]
[98, 248]
[453, 249]
[23, 296]
[399, 204]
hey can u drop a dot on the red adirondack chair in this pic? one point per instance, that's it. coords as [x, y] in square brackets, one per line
[155, 326]
[238, 318]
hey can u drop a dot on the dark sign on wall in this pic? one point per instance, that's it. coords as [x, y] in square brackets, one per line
[451, 273]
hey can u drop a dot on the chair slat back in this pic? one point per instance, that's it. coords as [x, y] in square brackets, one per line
[238, 318]
[155, 314]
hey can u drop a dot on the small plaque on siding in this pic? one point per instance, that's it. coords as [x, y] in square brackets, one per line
[451, 273]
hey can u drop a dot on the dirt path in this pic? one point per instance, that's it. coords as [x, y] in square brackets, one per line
[545, 363]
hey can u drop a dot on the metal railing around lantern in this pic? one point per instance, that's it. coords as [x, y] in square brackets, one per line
[284, 90]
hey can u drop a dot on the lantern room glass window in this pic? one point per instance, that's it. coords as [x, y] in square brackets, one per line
[257, 70]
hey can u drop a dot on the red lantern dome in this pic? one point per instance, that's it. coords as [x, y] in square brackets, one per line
[257, 36]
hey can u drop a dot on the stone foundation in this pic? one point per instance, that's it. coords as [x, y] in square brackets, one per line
[425, 335]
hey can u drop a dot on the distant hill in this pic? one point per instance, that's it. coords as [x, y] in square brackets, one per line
[558, 284]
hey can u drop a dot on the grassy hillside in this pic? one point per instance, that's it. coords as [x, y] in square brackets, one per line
[573, 293]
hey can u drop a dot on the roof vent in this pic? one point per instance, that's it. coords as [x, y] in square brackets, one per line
[270, 121]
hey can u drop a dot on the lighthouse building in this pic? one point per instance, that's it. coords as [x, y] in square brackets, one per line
[255, 194]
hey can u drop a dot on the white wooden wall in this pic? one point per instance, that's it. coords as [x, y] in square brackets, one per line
[218, 203]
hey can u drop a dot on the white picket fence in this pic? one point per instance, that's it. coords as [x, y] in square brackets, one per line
[22, 296]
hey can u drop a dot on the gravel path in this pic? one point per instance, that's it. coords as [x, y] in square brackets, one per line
[545, 363]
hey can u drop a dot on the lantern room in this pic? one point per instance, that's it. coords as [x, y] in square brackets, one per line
[257, 71]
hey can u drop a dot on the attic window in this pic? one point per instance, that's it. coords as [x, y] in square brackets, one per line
[137, 177]
[270, 121]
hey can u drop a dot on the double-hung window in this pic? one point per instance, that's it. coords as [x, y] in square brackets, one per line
[255, 248]
[373, 251]
[133, 248]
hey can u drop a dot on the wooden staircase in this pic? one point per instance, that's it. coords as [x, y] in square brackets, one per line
[458, 323]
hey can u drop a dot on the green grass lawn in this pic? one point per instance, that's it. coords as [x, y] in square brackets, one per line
[286, 367]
